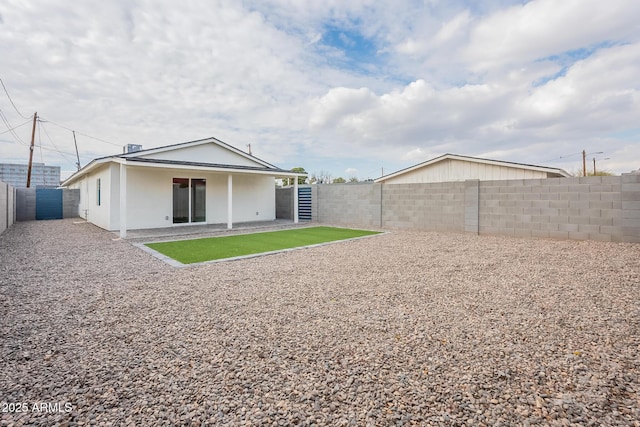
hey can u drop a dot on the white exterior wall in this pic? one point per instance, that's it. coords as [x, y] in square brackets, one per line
[458, 170]
[150, 197]
[89, 209]
[254, 198]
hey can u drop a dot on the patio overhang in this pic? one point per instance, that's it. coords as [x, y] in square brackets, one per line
[229, 170]
[126, 163]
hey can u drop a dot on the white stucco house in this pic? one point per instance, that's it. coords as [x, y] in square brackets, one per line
[198, 182]
[453, 167]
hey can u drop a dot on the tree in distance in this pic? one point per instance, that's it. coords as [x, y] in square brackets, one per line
[301, 179]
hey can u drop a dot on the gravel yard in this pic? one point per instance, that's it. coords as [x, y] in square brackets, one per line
[406, 328]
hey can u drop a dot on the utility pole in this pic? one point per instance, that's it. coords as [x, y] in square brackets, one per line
[584, 161]
[33, 139]
[77, 155]
[249, 145]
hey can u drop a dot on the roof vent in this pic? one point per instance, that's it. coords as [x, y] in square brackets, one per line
[132, 148]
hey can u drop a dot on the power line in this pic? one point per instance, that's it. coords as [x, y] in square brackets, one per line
[62, 153]
[15, 135]
[41, 120]
[80, 133]
[11, 100]
[15, 127]
[561, 157]
[40, 143]
[52, 143]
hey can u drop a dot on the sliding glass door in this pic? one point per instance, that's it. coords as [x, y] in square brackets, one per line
[189, 200]
[180, 200]
[198, 200]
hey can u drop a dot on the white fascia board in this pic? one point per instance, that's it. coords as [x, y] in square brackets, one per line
[401, 172]
[85, 170]
[505, 164]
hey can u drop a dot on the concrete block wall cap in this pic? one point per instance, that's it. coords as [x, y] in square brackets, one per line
[631, 177]
[590, 179]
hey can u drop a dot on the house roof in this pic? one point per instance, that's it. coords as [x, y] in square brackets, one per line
[137, 158]
[182, 145]
[209, 165]
[450, 156]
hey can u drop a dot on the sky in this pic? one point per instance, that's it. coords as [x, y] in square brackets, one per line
[348, 89]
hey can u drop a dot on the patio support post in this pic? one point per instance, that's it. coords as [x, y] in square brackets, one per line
[123, 200]
[295, 200]
[229, 201]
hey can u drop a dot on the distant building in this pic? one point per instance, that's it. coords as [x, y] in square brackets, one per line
[453, 167]
[41, 175]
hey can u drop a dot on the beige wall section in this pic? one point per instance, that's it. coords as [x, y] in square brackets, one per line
[452, 170]
[208, 153]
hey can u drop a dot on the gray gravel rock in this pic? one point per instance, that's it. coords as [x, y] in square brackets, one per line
[406, 328]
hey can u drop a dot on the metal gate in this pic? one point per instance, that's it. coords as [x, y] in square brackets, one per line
[48, 203]
[304, 203]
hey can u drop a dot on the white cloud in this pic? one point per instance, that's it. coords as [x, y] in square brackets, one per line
[410, 47]
[339, 106]
[498, 119]
[596, 93]
[459, 77]
[351, 172]
[418, 113]
[453, 29]
[541, 28]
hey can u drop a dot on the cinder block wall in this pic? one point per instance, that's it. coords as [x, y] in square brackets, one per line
[25, 204]
[589, 208]
[4, 206]
[348, 204]
[70, 203]
[630, 221]
[434, 206]
[7, 206]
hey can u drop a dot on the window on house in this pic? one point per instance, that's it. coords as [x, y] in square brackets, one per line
[98, 191]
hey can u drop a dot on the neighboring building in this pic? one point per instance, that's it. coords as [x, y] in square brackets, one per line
[41, 175]
[452, 167]
[197, 182]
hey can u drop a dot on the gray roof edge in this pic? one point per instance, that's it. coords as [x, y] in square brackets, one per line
[211, 165]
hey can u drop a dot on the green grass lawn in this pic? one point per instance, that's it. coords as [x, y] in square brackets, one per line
[212, 248]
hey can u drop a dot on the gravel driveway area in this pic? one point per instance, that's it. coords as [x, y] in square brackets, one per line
[406, 328]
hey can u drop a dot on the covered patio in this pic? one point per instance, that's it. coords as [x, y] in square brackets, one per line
[207, 230]
[203, 183]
